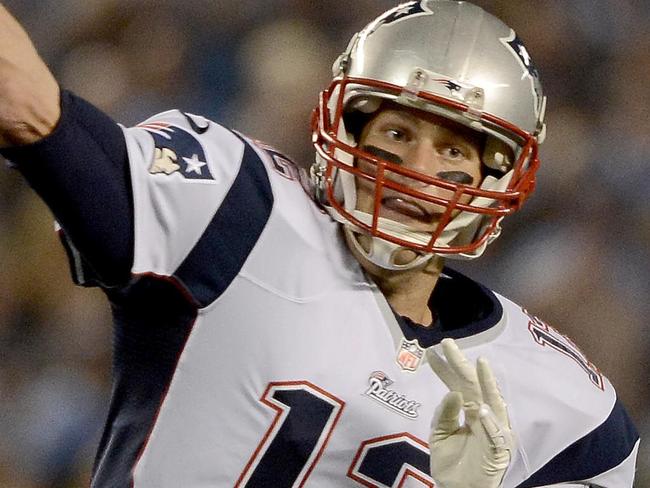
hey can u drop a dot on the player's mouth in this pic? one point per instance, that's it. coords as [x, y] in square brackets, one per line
[408, 208]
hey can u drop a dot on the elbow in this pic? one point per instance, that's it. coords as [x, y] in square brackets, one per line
[30, 109]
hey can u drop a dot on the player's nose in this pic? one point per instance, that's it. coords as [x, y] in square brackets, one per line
[423, 158]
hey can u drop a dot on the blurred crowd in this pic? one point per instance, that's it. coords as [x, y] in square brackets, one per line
[577, 255]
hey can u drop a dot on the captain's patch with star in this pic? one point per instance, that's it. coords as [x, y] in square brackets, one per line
[178, 152]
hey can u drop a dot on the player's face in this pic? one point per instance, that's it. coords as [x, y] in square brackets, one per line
[422, 142]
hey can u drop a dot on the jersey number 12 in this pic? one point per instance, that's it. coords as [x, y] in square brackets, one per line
[289, 451]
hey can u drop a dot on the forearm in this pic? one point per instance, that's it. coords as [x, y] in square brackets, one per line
[29, 94]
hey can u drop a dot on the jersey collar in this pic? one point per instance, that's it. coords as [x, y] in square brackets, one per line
[464, 309]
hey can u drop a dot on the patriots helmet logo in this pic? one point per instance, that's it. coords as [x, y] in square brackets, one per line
[381, 377]
[402, 11]
[517, 48]
[177, 151]
[520, 50]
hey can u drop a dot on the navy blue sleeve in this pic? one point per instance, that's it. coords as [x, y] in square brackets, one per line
[599, 451]
[81, 172]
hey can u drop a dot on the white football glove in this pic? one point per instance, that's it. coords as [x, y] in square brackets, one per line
[477, 453]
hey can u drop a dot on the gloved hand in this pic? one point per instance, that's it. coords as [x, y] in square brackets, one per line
[476, 453]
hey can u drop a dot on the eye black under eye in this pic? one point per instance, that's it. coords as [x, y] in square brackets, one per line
[381, 153]
[456, 177]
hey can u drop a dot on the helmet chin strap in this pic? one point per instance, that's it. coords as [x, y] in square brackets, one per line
[383, 253]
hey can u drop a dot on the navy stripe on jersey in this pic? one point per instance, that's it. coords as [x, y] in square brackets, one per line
[599, 451]
[225, 245]
[153, 320]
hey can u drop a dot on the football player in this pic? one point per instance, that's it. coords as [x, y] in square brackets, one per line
[268, 336]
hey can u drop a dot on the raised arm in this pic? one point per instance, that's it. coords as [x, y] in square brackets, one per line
[72, 154]
[29, 94]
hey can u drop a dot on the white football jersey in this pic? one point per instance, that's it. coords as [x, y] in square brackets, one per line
[252, 351]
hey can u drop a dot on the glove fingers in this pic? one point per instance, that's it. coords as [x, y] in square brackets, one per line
[464, 370]
[446, 419]
[441, 368]
[499, 439]
[490, 390]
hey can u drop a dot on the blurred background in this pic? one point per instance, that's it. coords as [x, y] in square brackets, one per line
[576, 255]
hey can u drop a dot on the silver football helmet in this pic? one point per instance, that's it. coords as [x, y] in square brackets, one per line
[455, 60]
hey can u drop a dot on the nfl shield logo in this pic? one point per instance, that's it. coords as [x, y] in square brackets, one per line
[409, 355]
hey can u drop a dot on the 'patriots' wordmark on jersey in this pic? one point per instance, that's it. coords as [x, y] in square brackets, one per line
[177, 151]
[379, 391]
[546, 335]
